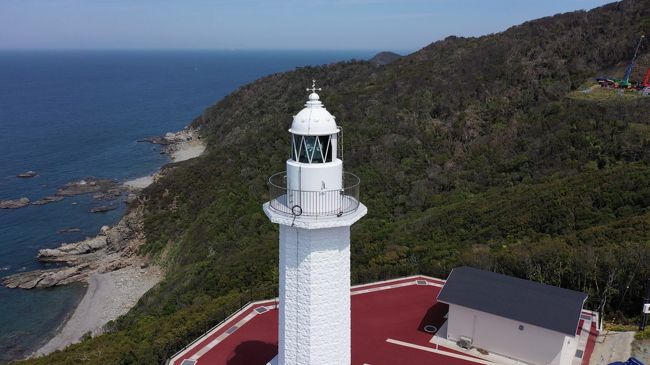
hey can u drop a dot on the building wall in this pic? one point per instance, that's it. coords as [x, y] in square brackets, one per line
[502, 336]
[569, 350]
[314, 316]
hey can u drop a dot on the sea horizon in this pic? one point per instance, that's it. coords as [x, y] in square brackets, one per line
[368, 51]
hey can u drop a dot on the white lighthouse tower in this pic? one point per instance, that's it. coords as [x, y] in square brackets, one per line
[315, 203]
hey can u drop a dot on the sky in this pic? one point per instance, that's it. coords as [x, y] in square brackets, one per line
[395, 25]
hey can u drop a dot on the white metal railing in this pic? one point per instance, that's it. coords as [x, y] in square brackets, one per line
[321, 203]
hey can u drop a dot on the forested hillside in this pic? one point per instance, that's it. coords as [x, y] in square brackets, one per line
[469, 151]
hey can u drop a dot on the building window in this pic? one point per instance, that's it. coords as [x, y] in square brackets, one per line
[311, 149]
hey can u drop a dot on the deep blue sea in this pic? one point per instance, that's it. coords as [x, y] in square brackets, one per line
[72, 114]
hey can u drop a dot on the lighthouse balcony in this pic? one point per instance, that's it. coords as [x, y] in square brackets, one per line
[313, 203]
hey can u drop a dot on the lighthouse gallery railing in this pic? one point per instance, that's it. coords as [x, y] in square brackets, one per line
[321, 203]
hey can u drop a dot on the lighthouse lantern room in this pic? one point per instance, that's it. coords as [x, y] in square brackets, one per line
[315, 203]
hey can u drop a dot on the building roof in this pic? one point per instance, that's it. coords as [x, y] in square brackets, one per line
[521, 300]
[314, 119]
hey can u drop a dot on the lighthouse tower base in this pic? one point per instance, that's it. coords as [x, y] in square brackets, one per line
[314, 316]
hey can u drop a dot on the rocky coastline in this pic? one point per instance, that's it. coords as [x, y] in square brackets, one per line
[114, 247]
[184, 145]
[180, 146]
[108, 262]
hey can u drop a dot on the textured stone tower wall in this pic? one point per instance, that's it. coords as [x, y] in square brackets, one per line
[314, 323]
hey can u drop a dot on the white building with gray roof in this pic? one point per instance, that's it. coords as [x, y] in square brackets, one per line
[522, 320]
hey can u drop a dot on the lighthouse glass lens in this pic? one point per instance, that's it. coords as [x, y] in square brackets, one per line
[314, 149]
[311, 149]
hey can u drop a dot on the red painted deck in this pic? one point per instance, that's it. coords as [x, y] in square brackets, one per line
[591, 343]
[254, 343]
[388, 322]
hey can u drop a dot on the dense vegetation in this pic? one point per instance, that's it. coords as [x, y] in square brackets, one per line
[469, 153]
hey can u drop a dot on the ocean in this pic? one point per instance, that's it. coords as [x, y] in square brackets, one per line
[72, 114]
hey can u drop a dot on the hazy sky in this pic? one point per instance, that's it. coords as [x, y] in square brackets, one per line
[401, 25]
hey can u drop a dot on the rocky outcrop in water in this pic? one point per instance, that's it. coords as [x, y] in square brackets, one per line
[26, 175]
[110, 194]
[86, 186]
[171, 142]
[70, 252]
[46, 278]
[103, 208]
[47, 200]
[14, 204]
[104, 189]
[155, 140]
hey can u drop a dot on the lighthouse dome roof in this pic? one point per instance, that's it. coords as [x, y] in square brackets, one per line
[314, 119]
